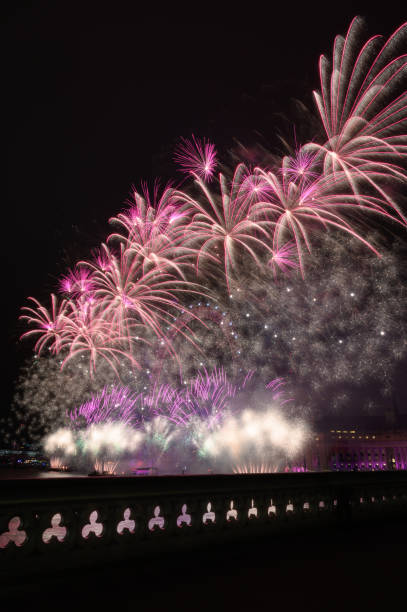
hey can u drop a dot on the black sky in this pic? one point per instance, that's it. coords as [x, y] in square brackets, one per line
[96, 96]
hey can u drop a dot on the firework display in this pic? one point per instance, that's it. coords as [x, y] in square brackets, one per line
[206, 424]
[253, 435]
[203, 288]
[111, 405]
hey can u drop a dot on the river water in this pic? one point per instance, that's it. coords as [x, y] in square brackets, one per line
[7, 473]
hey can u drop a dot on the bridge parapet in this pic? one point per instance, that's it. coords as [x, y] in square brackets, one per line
[46, 524]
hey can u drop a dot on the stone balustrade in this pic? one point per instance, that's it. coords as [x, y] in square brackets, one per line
[51, 523]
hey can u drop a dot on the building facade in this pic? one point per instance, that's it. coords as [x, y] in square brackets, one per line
[370, 443]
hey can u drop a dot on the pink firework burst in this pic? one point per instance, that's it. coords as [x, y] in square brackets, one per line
[111, 405]
[301, 167]
[205, 398]
[295, 208]
[228, 224]
[88, 332]
[152, 232]
[133, 301]
[284, 258]
[47, 324]
[363, 112]
[197, 157]
[254, 188]
[161, 400]
[77, 282]
[102, 259]
[150, 213]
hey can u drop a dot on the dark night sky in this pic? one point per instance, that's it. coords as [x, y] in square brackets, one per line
[96, 99]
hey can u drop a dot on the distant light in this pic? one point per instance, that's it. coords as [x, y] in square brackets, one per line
[247, 314]
[382, 333]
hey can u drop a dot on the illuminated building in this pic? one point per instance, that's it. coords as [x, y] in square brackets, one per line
[362, 443]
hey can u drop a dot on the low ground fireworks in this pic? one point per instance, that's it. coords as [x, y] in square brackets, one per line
[204, 425]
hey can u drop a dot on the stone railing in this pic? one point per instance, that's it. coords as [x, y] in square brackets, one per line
[50, 523]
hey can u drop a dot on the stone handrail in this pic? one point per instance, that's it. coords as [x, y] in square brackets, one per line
[74, 521]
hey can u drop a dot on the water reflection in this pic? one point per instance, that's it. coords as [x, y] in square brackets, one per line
[27, 473]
